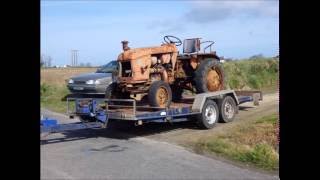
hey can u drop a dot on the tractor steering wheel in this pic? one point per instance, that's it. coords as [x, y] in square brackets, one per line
[172, 39]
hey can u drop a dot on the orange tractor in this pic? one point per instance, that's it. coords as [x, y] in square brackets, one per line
[162, 73]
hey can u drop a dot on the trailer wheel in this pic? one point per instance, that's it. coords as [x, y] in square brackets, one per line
[209, 115]
[209, 76]
[160, 94]
[228, 109]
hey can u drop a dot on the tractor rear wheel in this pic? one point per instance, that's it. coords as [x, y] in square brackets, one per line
[160, 94]
[209, 76]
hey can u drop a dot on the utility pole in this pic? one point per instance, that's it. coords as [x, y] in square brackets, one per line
[42, 61]
[74, 57]
[49, 61]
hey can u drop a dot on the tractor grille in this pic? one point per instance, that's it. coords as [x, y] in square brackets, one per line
[126, 69]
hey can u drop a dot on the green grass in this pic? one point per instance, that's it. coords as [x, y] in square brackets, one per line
[252, 143]
[52, 97]
[272, 119]
[260, 73]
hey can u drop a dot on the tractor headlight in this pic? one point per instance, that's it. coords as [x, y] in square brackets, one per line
[71, 81]
[90, 82]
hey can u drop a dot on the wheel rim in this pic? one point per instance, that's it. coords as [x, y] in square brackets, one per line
[229, 110]
[213, 80]
[162, 97]
[210, 114]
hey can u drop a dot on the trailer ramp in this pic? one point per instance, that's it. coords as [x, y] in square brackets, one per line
[51, 126]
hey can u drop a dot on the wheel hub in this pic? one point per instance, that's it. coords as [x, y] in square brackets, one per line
[229, 110]
[162, 97]
[213, 80]
[210, 114]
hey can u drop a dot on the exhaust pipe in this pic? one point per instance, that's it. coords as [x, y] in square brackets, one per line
[164, 75]
[125, 46]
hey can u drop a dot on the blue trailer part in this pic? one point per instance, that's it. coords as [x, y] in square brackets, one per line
[102, 110]
[48, 122]
[133, 112]
[244, 99]
[70, 126]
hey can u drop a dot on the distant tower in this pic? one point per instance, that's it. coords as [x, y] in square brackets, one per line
[49, 61]
[74, 57]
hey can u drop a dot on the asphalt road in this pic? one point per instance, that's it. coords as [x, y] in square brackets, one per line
[110, 154]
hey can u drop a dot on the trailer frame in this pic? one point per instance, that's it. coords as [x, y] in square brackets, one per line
[100, 116]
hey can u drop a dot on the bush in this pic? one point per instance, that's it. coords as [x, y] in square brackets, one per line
[254, 82]
[253, 73]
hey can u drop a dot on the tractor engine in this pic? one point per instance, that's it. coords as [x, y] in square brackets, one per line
[139, 67]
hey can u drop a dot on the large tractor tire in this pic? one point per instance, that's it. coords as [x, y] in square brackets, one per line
[209, 76]
[160, 94]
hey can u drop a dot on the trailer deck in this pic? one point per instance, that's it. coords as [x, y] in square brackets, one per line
[100, 110]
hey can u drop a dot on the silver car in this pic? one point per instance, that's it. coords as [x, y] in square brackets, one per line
[93, 83]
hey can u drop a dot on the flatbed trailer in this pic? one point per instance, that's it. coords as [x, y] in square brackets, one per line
[206, 109]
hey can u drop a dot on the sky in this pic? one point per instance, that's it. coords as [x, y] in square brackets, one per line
[239, 28]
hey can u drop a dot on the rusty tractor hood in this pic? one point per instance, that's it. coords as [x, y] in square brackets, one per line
[140, 52]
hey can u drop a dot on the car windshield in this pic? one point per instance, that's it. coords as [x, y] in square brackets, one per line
[108, 68]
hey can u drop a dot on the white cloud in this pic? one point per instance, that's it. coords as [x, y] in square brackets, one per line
[209, 11]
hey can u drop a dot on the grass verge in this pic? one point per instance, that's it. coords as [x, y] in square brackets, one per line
[52, 97]
[260, 73]
[255, 143]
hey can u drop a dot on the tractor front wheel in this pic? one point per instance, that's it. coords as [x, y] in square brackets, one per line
[160, 94]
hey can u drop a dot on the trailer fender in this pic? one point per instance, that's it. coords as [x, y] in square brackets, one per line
[200, 99]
